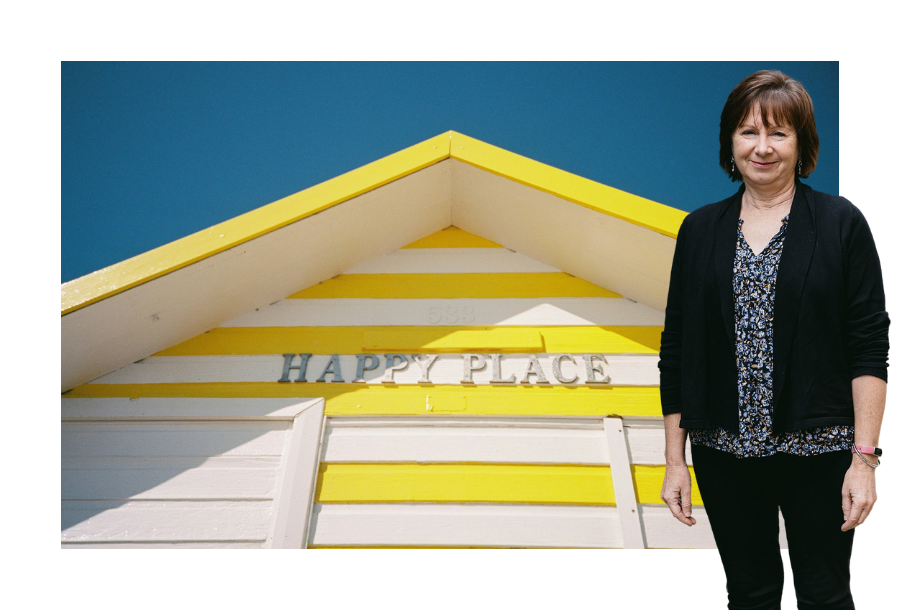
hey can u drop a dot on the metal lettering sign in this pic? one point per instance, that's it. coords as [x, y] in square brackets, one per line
[474, 369]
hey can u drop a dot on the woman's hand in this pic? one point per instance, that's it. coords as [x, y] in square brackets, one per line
[676, 492]
[858, 493]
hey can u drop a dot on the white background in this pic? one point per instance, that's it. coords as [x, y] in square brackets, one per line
[39, 36]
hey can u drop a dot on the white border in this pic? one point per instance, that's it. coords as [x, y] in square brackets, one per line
[863, 40]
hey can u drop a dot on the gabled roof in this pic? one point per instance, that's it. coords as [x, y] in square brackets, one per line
[147, 303]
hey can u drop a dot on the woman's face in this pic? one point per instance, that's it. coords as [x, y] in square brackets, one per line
[766, 157]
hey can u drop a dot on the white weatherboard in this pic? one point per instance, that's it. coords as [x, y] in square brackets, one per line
[544, 311]
[189, 472]
[227, 488]
[242, 472]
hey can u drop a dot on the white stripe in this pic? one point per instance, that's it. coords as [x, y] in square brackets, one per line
[544, 311]
[505, 439]
[108, 521]
[575, 422]
[196, 439]
[188, 481]
[170, 478]
[453, 260]
[664, 531]
[647, 444]
[133, 409]
[466, 525]
[473, 443]
[447, 369]
[162, 545]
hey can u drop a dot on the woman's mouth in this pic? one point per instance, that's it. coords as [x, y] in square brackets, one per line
[762, 165]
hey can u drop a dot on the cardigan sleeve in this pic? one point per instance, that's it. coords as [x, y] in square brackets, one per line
[671, 339]
[866, 319]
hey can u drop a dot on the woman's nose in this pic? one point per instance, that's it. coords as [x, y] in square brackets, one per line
[762, 145]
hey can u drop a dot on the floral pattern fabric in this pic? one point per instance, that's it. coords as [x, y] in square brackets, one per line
[753, 282]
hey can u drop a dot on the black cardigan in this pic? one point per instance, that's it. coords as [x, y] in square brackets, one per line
[830, 323]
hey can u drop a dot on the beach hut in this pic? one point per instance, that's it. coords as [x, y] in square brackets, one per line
[452, 346]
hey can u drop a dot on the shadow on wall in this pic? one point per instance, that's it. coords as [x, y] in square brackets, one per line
[119, 478]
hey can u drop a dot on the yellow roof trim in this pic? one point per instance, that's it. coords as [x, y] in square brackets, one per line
[592, 195]
[170, 257]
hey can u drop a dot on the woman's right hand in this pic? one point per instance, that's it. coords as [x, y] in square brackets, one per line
[676, 492]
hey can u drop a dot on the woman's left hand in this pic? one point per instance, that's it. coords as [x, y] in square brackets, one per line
[858, 494]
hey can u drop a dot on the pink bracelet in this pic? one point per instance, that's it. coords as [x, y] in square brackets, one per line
[856, 450]
[869, 450]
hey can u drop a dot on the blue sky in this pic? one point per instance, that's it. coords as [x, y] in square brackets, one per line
[155, 151]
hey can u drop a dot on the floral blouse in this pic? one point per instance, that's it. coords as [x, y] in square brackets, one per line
[753, 282]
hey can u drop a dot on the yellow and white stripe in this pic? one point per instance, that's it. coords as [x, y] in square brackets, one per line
[212, 472]
[442, 464]
[485, 313]
[494, 482]
[446, 369]
[135, 308]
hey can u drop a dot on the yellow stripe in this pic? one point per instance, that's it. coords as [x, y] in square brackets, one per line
[592, 195]
[648, 481]
[453, 237]
[414, 339]
[349, 399]
[452, 286]
[180, 253]
[514, 483]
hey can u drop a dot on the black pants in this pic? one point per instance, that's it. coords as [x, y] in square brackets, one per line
[741, 497]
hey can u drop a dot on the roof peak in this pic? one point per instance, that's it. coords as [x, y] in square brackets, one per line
[175, 255]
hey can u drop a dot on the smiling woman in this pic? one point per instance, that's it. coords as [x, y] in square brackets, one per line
[780, 108]
[782, 396]
[765, 153]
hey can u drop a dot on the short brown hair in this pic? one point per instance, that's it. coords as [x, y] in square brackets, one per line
[783, 99]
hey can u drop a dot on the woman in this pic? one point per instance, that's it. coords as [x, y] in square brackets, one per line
[782, 390]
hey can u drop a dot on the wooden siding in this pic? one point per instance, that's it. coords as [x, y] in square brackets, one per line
[403, 464]
[176, 521]
[386, 500]
[169, 482]
[184, 472]
[444, 481]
